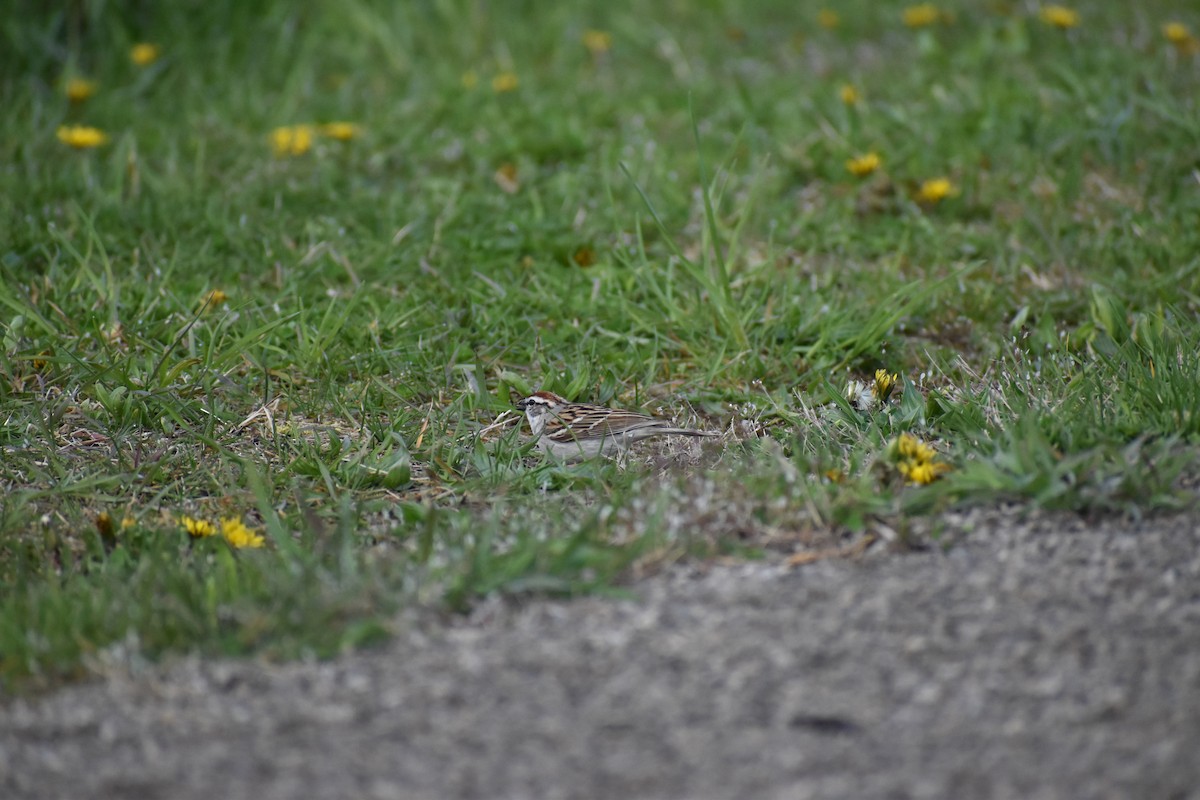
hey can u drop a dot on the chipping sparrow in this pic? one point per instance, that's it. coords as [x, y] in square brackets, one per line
[581, 430]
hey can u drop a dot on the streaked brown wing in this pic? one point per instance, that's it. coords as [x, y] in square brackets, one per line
[596, 422]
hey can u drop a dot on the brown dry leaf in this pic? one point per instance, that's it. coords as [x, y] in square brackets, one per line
[506, 178]
[584, 257]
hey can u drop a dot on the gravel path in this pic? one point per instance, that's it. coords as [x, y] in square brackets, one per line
[1038, 659]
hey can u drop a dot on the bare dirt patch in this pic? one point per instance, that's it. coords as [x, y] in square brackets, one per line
[1042, 657]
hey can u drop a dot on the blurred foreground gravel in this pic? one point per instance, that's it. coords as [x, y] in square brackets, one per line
[1039, 658]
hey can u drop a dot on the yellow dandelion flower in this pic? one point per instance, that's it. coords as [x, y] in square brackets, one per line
[238, 535]
[913, 449]
[197, 528]
[80, 89]
[828, 18]
[1059, 17]
[924, 472]
[144, 54]
[848, 94]
[1181, 37]
[342, 131]
[505, 82]
[597, 42]
[213, 299]
[127, 523]
[81, 137]
[885, 384]
[470, 79]
[917, 461]
[1176, 32]
[863, 165]
[935, 190]
[291, 140]
[921, 16]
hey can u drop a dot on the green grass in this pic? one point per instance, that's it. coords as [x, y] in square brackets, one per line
[391, 295]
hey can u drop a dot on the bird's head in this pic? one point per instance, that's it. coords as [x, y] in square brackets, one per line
[538, 405]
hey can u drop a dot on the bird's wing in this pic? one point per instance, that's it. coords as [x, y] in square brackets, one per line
[597, 422]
